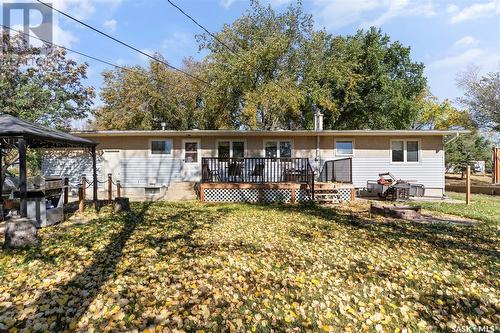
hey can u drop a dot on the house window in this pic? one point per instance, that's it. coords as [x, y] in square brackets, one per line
[412, 151]
[190, 152]
[163, 147]
[405, 151]
[278, 149]
[398, 151]
[235, 149]
[344, 147]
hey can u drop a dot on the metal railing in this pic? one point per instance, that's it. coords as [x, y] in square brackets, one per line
[339, 171]
[256, 170]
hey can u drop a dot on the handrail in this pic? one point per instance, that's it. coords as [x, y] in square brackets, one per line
[339, 170]
[255, 170]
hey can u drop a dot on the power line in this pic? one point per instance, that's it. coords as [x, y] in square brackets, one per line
[124, 44]
[68, 49]
[203, 28]
[278, 83]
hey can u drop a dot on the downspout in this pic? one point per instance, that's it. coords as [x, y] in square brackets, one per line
[318, 126]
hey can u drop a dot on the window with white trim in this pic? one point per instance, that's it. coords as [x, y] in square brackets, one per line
[161, 147]
[227, 148]
[405, 151]
[344, 147]
[278, 149]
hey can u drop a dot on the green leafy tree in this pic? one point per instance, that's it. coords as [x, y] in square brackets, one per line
[467, 149]
[383, 86]
[436, 115]
[143, 98]
[270, 70]
[46, 88]
[482, 97]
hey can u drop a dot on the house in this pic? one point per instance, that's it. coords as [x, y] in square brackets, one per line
[237, 165]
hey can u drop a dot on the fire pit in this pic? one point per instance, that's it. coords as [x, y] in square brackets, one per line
[400, 212]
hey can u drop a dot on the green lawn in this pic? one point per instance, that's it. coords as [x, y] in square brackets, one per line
[236, 267]
[483, 207]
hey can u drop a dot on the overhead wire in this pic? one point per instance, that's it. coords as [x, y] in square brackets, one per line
[124, 43]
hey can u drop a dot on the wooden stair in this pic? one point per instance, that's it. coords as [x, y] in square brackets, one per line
[328, 193]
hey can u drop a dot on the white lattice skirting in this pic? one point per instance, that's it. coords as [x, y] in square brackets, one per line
[344, 194]
[231, 195]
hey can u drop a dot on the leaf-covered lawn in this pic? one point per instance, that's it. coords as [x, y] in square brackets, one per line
[260, 268]
[483, 207]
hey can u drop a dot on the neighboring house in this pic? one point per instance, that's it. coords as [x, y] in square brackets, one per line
[153, 162]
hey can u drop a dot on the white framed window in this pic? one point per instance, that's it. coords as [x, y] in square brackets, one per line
[191, 151]
[231, 148]
[344, 147]
[405, 151]
[161, 147]
[278, 148]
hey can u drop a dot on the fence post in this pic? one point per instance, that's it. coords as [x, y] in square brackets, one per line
[110, 187]
[66, 189]
[81, 199]
[118, 188]
[84, 186]
[467, 186]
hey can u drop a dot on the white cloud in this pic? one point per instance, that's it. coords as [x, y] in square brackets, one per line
[83, 9]
[63, 37]
[474, 11]
[338, 13]
[226, 3]
[460, 60]
[465, 42]
[110, 25]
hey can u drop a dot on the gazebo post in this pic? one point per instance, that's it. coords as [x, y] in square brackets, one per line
[21, 146]
[94, 175]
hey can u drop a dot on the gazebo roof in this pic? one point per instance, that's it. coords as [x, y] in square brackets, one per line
[37, 136]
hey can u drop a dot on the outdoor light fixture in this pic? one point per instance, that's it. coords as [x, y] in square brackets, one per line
[163, 125]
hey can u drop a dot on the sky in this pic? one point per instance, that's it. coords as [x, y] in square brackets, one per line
[447, 36]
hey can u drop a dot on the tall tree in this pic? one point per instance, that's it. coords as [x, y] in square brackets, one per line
[482, 97]
[42, 87]
[143, 98]
[384, 83]
[256, 72]
[436, 115]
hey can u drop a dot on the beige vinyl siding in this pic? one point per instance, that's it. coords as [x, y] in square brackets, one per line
[373, 156]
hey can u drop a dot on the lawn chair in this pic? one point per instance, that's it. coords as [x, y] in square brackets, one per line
[209, 175]
[235, 169]
[258, 171]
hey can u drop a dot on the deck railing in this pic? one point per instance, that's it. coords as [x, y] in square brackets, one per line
[337, 171]
[257, 170]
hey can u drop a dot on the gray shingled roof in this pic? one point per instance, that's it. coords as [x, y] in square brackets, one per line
[38, 136]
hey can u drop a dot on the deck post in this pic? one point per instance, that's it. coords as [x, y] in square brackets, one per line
[81, 198]
[110, 187]
[118, 188]
[84, 186]
[293, 194]
[94, 174]
[22, 177]
[467, 186]
[66, 189]
[202, 193]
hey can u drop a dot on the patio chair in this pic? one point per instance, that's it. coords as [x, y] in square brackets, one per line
[209, 174]
[258, 170]
[235, 169]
